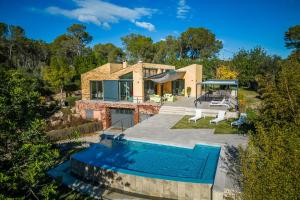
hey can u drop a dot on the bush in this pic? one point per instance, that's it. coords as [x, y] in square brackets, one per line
[74, 132]
[71, 100]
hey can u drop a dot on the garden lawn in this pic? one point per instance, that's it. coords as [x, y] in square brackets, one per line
[222, 127]
[250, 97]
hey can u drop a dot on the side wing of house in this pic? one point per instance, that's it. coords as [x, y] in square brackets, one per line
[193, 75]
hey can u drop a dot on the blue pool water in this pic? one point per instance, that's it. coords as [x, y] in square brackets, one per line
[196, 165]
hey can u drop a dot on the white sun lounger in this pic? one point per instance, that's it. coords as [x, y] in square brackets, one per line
[220, 117]
[240, 121]
[219, 103]
[198, 115]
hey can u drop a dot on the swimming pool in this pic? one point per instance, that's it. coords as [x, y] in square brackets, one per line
[194, 165]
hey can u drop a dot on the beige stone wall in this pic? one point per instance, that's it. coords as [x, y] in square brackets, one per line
[138, 82]
[99, 73]
[112, 71]
[114, 67]
[193, 75]
[143, 185]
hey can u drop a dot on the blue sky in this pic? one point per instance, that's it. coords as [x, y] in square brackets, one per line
[238, 23]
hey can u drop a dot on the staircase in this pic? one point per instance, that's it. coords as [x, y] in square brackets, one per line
[176, 110]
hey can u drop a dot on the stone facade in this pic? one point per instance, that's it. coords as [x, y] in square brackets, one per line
[111, 71]
[158, 188]
[101, 110]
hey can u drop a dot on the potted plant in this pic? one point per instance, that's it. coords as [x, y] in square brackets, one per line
[188, 91]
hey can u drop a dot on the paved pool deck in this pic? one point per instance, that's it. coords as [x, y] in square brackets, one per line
[158, 129]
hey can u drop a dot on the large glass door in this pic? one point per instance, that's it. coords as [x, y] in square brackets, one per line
[149, 89]
[125, 90]
[178, 87]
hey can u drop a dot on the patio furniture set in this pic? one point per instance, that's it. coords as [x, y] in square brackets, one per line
[166, 97]
[221, 114]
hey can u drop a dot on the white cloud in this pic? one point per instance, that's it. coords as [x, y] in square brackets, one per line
[146, 25]
[182, 9]
[104, 13]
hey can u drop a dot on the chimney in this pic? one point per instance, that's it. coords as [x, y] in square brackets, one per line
[124, 64]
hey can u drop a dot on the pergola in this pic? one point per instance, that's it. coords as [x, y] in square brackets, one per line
[229, 85]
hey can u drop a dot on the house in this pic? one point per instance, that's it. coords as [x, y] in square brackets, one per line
[123, 88]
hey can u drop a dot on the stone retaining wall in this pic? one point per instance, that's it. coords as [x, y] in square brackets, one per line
[101, 109]
[142, 185]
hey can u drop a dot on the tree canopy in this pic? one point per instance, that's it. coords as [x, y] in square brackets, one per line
[271, 162]
[26, 153]
[199, 43]
[138, 47]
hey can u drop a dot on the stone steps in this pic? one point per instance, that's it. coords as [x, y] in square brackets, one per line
[175, 110]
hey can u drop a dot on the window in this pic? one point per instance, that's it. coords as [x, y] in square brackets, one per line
[127, 76]
[89, 114]
[96, 88]
[149, 72]
[178, 87]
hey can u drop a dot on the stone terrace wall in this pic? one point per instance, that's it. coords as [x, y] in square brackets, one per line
[142, 185]
[102, 110]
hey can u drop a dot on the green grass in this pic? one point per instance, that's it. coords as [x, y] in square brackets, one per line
[251, 98]
[222, 127]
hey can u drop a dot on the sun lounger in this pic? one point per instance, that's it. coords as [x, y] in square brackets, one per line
[220, 117]
[198, 115]
[240, 121]
[219, 103]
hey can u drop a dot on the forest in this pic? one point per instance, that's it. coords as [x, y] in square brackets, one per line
[32, 70]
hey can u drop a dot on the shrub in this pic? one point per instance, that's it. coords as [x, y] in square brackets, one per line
[75, 131]
[188, 91]
[71, 100]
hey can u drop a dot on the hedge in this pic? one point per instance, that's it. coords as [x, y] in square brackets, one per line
[71, 132]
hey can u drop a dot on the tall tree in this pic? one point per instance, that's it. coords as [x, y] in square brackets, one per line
[292, 41]
[199, 43]
[80, 38]
[107, 53]
[59, 74]
[251, 63]
[292, 37]
[85, 63]
[18, 51]
[138, 47]
[166, 51]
